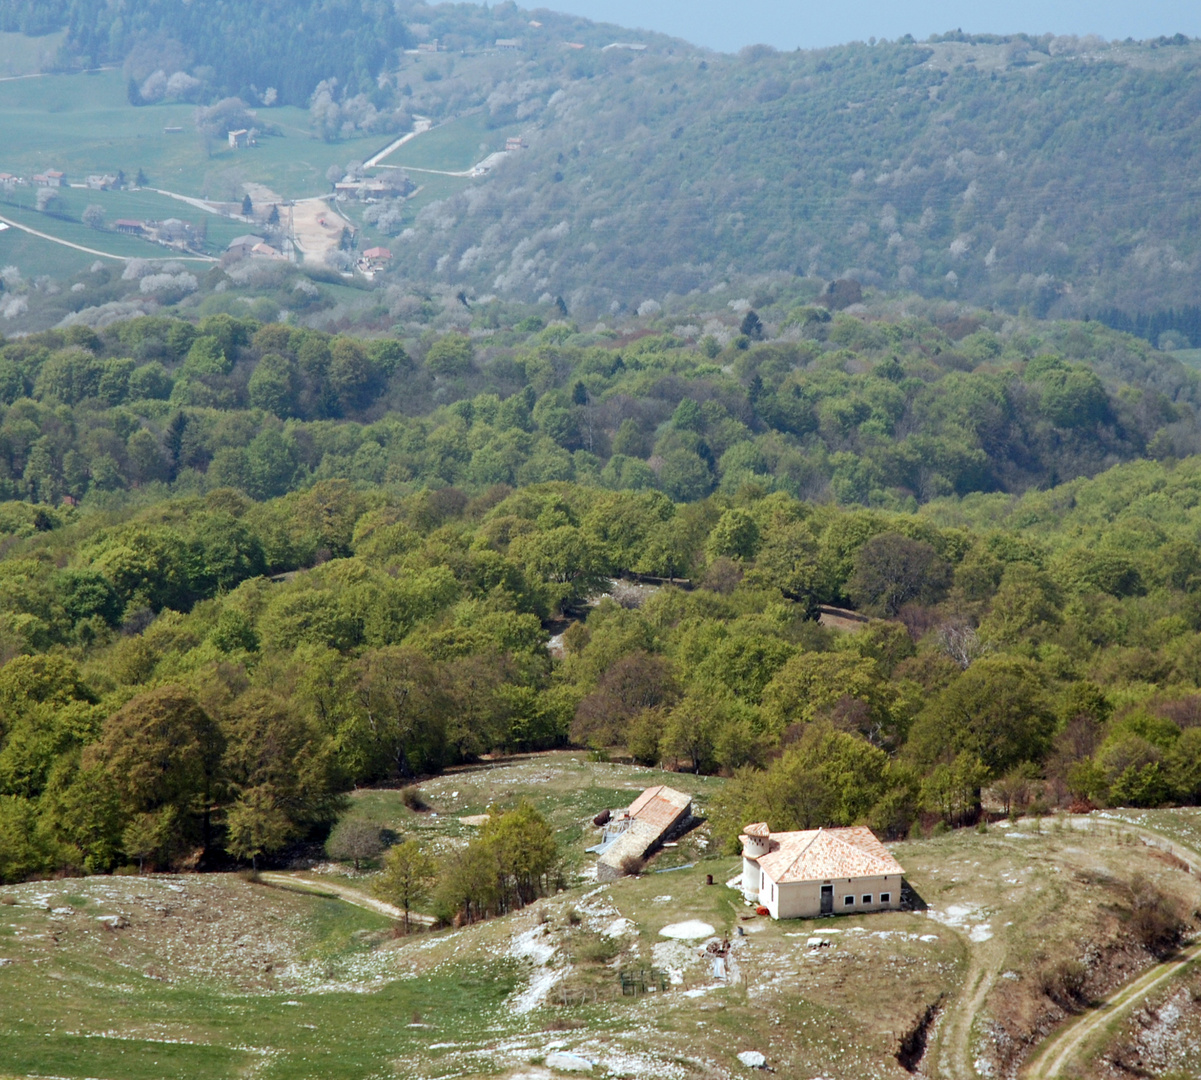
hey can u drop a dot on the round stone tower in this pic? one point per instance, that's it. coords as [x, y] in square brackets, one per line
[756, 842]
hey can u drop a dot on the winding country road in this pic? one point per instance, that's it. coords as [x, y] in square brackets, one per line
[103, 254]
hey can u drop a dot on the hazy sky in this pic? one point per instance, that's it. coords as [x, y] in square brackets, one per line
[787, 24]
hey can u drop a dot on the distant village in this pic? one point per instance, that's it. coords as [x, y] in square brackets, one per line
[278, 237]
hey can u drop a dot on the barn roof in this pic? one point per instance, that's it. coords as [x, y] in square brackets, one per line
[659, 806]
[825, 854]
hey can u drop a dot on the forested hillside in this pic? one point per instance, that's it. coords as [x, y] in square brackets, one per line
[991, 171]
[1054, 174]
[286, 563]
[209, 673]
[878, 412]
[731, 340]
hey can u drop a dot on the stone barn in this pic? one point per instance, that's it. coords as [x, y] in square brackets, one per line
[818, 872]
[651, 819]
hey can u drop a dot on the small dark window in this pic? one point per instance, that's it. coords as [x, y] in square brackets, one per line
[885, 898]
[848, 901]
[867, 898]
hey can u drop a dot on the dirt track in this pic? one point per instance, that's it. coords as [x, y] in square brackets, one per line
[342, 892]
[1060, 1050]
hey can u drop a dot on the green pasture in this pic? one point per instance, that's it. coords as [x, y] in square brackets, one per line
[111, 243]
[432, 188]
[1189, 358]
[140, 205]
[144, 205]
[455, 146]
[566, 788]
[120, 1012]
[21, 55]
[83, 124]
[33, 256]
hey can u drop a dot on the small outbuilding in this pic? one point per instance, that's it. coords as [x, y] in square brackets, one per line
[818, 872]
[266, 251]
[633, 833]
[244, 245]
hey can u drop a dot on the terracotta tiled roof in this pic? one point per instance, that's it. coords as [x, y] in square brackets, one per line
[659, 806]
[759, 829]
[825, 854]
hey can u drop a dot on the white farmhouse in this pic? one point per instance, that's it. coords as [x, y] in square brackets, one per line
[816, 872]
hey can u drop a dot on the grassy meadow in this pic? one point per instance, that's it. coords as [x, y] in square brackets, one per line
[33, 256]
[566, 788]
[214, 976]
[75, 232]
[84, 123]
[453, 147]
[22, 56]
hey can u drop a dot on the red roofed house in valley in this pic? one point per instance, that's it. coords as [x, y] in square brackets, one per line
[652, 818]
[805, 875]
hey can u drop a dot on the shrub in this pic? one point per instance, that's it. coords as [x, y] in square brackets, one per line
[1063, 983]
[632, 866]
[599, 950]
[1155, 921]
[411, 797]
[574, 917]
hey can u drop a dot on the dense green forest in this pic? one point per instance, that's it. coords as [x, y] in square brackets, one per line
[247, 566]
[1050, 173]
[881, 412]
[213, 672]
[242, 49]
[268, 533]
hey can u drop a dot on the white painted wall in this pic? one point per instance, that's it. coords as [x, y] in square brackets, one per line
[802, 899]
